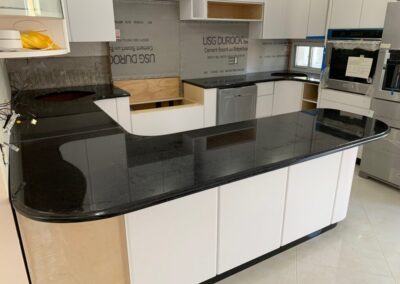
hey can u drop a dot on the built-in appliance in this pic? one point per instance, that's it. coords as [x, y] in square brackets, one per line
[351, 60]
[381, 159]
[236, 104]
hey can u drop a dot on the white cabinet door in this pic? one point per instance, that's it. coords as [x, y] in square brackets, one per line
[91, 20]
[264, 89]
[264, 106]
[317, 18]
[296, 15]
[346, 14]
[174, 242]
[310, 196]
[287, 97]
[118, 109]
[274, 24]
[345, 182]
[210, 107]
[250, 218]
[282, 19]
[291, 19]
[167, 120]
[373, 13]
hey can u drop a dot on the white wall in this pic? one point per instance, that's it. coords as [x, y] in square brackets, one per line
[5, 95]
[11, 262]
[5, 91]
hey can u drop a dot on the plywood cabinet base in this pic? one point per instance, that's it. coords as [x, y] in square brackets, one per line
[76, 253]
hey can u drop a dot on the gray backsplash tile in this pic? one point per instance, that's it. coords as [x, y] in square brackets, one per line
[57, 72]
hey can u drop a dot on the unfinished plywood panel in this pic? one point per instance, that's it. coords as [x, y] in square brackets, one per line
[11, 261]
[193, 93]
[235, 11]
[308, 105]
[310, 92]
[150, 90]
[75, 253]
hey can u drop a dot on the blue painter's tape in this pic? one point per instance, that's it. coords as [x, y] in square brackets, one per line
[316, 37]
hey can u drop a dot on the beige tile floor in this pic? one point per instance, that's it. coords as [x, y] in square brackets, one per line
[362, 249]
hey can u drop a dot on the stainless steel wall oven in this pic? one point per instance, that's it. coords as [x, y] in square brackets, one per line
[351, 60]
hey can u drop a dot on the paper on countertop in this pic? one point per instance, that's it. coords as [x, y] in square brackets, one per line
[359, 67]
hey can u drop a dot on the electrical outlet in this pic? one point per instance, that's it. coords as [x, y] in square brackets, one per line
[232, 60]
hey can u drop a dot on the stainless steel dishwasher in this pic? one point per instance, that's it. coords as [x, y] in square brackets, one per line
[236, 104]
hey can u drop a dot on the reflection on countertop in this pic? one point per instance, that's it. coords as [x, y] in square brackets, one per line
[73, 166]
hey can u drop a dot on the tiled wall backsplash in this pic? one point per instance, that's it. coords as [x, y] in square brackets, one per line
[153, 32]
[76, 69]
[154, 42]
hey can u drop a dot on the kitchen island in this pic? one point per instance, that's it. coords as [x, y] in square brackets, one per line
[109, 206]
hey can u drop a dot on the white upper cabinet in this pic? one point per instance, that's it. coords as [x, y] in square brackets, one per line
[345, 14]
[297, 16]
[46, 16]
[91, 20]
[291, 19]
[317, 18]
[38, 8]
[358, 14]
[373, 13]
[274, 24]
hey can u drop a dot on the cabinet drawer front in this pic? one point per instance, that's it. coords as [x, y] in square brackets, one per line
[344, 107]
[359, 101]
[265, 89]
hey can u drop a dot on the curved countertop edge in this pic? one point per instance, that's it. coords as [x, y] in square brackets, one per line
[122, 210]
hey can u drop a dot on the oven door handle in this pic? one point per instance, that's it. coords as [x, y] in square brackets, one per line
[350, 86]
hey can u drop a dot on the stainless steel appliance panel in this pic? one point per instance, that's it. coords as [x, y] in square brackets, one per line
[387, 111]
[236, 104]
[352, 87]
[392, 24]
[337, 61]
[381, 159]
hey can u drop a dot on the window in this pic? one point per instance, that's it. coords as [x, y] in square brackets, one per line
[308, 56]
[302, 56]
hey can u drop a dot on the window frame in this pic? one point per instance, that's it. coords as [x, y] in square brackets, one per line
[308, 69]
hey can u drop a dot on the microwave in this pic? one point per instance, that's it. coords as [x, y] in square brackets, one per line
[351, 60]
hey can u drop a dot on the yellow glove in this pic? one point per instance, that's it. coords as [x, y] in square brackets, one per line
[36, 40]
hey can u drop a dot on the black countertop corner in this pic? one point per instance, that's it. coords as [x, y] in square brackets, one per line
[77, 164]
[250, 79]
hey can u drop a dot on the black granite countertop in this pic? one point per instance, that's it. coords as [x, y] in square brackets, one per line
[80, 165]
[251, 78]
